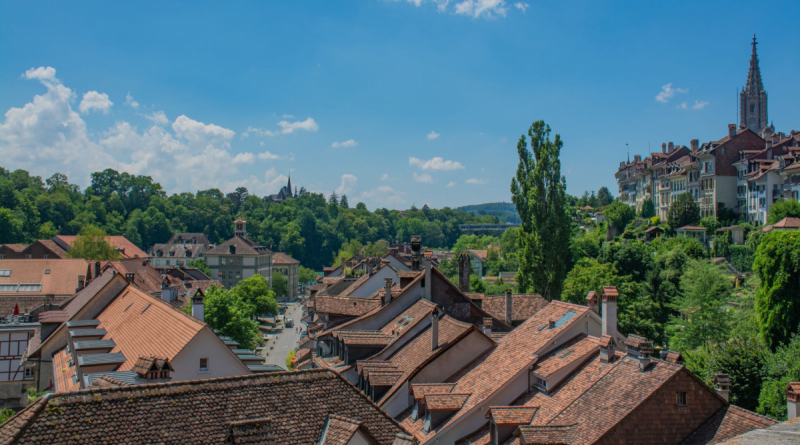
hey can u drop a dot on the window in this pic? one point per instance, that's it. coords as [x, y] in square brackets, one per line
[28, 374]
[752, 108]
[204, 364]
[5, 273]
[30, 288]
[681, 399]
[8, 287]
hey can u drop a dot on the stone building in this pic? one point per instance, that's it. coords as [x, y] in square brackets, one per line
[753, 97]
[239, 258]
[179, 250]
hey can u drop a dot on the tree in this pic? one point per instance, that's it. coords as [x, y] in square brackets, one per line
[618, 215]
[783, 208]
[290, 359]
[334, 199]
[604, 197]
[777, 265]
[683, 211]
[587, 275]
[255, 294]
[201, 264]
[227, 314]
[306, 275]
[539, 194]
[343, 202]
[743, 360]
[648, 208]
[279, 284]
[780, 368]
[91, 244]
[703, 319]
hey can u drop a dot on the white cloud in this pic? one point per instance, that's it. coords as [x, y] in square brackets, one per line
[129, 101]
[306, 125]
[93, 100]
[384, 176]
[425, 178]
[682, 106]
[521, 6]
[475, 181]
[451, 184]
[48, 135]
[158, 118]
[348, 184]
[433, 135]
[347, 143]
[267, 156]
[481, 8]
[287, 116]
[383, 196]
[667, 93]
[435, 163]
[699, 105]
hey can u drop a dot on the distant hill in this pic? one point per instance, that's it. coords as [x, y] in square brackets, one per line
[505, 211]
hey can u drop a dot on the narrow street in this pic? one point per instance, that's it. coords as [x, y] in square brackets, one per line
[279, 345]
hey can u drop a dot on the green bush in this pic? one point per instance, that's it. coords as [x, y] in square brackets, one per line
[741, 257]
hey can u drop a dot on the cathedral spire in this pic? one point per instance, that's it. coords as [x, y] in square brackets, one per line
[754, 75]
[753, 97]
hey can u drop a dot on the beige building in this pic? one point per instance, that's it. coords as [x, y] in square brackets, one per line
[290, 268]
[239, 258]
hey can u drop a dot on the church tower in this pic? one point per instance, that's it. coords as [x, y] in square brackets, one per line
[240, 228]
[753, 98]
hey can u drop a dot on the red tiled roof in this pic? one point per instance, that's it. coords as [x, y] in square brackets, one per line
[787, 223]
[282, 258]
[512, 415]
[243, 246]
[15, 247]
[523, 306]
[353, 307]
[446, 402]
[126, 248]
[691, 227]
[728, 422]
[58, 278]
[170, 411]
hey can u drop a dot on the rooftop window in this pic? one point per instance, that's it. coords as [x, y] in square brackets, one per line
[30, 288]
[5, 273]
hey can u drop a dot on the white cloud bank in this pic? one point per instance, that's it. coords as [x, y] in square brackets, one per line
[93, 100]
[348, 184]
[347, 143]
[433, 135]
[475, 181]
[667, 93]
[424, 178]
[435, 163]
[286, 128]
[471, 8]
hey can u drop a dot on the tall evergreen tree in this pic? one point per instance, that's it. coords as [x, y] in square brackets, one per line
[604, 197]
[343, 202]
[539, 193]
[683, 211]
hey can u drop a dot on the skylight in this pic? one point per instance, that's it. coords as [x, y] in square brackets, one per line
[5, 273]
[564, 319]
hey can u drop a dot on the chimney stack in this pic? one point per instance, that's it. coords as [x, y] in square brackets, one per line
[593, 301]
[463, 272]
[608, 349]
[387, 292]
[731, 130]
[792, 400]
[369, 266]
[96, 269]
[198, 308]
[81, 282]
[645, 356]
[609, 315]
[509, 307]
[664, 147]
[695, 144]
[671, 147]
[723, 384]
[487, 326]
[428, 279]
[416, 247]
[435, 328]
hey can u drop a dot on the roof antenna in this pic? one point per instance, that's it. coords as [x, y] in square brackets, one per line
[629, 153]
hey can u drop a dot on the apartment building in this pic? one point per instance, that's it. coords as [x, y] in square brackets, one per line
[239, 258]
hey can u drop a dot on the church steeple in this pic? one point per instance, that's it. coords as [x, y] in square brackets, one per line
[753, 97]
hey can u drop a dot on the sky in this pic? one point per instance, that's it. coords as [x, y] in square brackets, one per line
[393, 103]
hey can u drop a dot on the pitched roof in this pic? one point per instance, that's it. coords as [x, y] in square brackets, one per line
[523, 306]
[243, 246]
[145, 276]
[298, 404]
[282, 258]
[57, 277]
[787, 223]
[352, 307]
[339, 430]
[125, 248]
[512, 415]
[728, 422]
[188, 237]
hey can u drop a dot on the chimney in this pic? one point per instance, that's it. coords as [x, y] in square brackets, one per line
[387, 292]
[428, 280]
[731, 130]
[463, 272]
[776, 138]
[509, 307]
[609, 315]
[487, 326]
[593, 301]
[416, 246]
[695, 143]
[435, 328]
[81, 282]
[723, 384]
[769, 143]
[607, 349]
[792, 400]
[129, 276]
[198, 308]
[369, 266]
[671, 147]
[664, 147]
[97, 269]
[645, 354]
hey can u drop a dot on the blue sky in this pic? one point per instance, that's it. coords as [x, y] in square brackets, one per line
[392, 102]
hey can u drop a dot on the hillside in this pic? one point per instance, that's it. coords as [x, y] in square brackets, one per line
[505, 211]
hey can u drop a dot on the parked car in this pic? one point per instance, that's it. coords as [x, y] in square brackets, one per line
[289, 323]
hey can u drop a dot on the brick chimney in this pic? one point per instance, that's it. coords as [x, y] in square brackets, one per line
[593, 301]
[645, 356]
[664, 147]
[428, 279]
[731, 130]
[509, 307]
[198, 308]
[609, 315]
[96, 269]
[670, 147]
[435, 328]
[81, 282]
[722, 382]
[695, 144]
[387, 290]
[487, 326]
[416, 247]
[608, 349]
[463, 271]
[792, 400]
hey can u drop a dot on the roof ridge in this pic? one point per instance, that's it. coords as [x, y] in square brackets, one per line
[752, 413]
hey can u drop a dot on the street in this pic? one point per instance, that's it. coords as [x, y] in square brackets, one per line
[278, 346]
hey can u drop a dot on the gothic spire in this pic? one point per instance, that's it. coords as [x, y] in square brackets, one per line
[754, 75]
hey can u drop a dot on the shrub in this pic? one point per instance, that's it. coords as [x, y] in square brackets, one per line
[741, 257]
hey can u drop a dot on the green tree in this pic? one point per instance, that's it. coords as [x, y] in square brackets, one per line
[201, 264]
[783, 208]
[91, 244]
[683, 211]
[743, 360]
[290, 359]
[777, 265]
[10, 227]
[343, 202]
[256, 295]
[227, 314]
[279, 284]
[539, 193]
[648, 208]
[604, 197]
[6, 414]
[702, 319]
[587, 275]
[781, 367]
[618, 215]
[306, 275]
